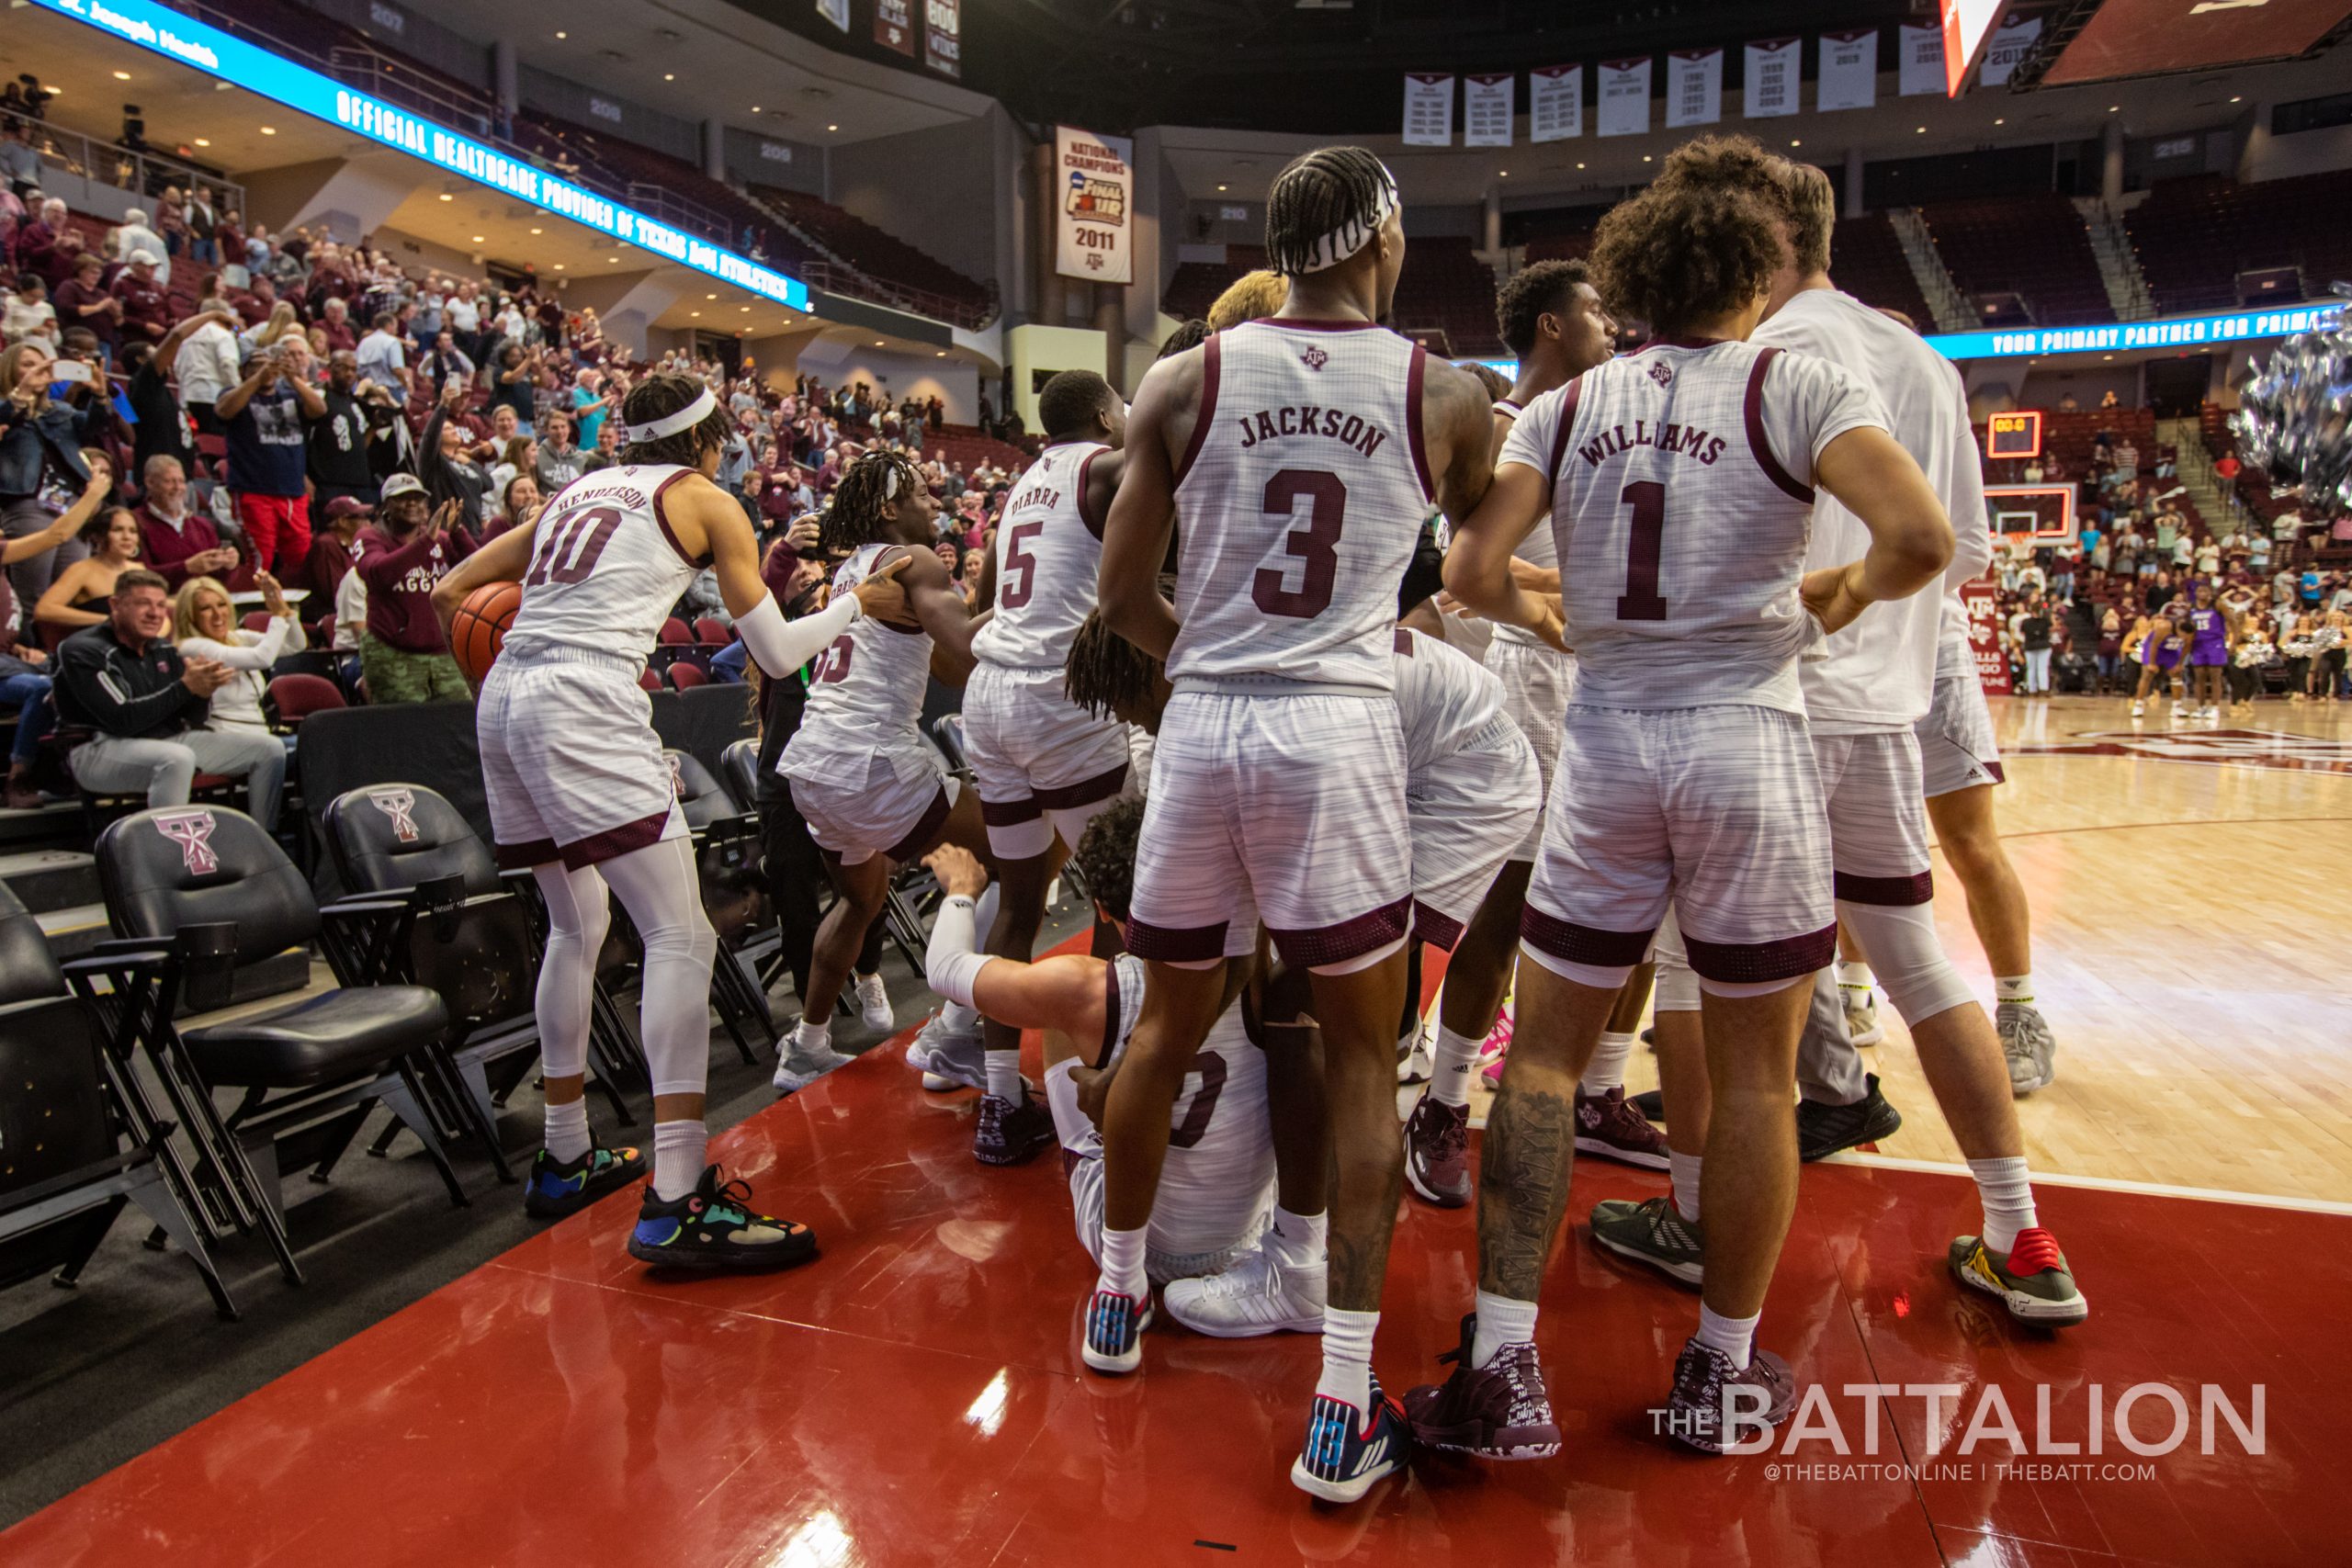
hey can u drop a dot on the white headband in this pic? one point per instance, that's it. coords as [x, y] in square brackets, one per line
[1350, 237]
[687, 418]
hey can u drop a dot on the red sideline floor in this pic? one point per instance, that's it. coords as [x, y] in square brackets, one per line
[915, 1397]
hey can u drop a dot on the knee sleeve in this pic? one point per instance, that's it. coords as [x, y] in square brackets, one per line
[1738, 989]
[1362, 962]
[1907, 957]
[579, 914]
[657, 886]
[1676, 988]
[1599, 976]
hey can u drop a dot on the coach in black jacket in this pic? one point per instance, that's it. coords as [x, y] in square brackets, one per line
[125, 679]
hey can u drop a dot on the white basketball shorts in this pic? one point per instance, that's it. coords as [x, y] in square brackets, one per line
[895, 810]
[1041, 764]
[1539, 682]
[570, 761]
[1466, 814]
[1956, 746]
[1878, 817]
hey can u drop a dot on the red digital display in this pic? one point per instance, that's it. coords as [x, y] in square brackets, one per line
[2017, 434]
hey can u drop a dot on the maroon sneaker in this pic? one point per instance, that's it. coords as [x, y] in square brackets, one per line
[1609, 1126]
[1009, 1134]
[1704, 1380]
[1498, 1411]
[1437, 1152]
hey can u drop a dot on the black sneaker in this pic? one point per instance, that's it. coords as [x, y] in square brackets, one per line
[1650, 1102]
[1007, 1133]
[714, 1229]
[1823, 1129]
[1705, 1382]
[557, 1188]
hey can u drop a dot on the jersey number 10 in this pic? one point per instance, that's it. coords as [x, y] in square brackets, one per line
[568, 546]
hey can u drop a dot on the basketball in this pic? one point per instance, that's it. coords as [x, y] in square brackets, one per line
[479, 629]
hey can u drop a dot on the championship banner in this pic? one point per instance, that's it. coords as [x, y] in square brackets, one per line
[1984, 637]
[2012, 41]
[942, 36]
[1485, 110]
[835, 12]
[894, 25]
[1774, 66]
[1093, 226]
[1624, 97]
[1694, 87]
[1849, 76]
[1556, 103]
[1922, 69]
[1429, 110]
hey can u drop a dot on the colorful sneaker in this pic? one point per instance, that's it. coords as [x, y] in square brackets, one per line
[1823, 1129]
[1608, 1127]
[1498, 1411]
[714, 1229]
[1705, 1382]
[1114, 1325]
[1259, 1293]
[804, 1062]
[1863, 1027]
[873, 1004]
[2031, 1278]
[1346, 1454]
[556, 1188]
[949, 1059]
[1413, 1059]
[1652, 1232]
[2031, 1049]
[1009, 1134]
[1437, 1152]
[1494, 1048]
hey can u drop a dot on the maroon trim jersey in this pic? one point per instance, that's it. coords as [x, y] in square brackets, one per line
[605, 569]
[1048, 558]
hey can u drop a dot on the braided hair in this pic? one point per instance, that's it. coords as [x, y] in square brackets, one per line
[863, 498]
[1106, 855]
[1106, 672]
[1316, 194]
[659, 396]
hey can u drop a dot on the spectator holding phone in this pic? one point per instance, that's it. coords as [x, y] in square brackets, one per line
[267, 456]
[41, 468]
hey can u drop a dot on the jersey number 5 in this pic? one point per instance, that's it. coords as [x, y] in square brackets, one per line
[568, 547]
[1020, 566]
[1317, 544]
[832, 665]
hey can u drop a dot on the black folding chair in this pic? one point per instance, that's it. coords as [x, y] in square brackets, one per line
[734, 895]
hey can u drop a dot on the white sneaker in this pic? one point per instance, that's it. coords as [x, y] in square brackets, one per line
[2139, 710]
[804, 1063]
[873, 1004]
[1414, 1063]
[1261, 1294]
[948, 1060]
[1863, 1027]
[2210, 712]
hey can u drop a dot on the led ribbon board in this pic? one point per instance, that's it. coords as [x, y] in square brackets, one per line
[233, 59]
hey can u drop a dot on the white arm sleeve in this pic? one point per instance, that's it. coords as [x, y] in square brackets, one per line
[783, 646]
[951, 964]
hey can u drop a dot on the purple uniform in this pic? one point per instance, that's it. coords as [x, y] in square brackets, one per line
[2209, 637]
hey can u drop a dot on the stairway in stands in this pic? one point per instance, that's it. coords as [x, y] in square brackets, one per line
[59, 885]
[1952, 312]
[2119, 263]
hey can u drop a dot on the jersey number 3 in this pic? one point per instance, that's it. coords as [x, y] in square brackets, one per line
[1317, 544]
[568, 549]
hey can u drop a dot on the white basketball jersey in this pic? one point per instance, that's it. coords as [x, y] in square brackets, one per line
[865, 689]
[1536, 550]
[1301, 497]
[605, 571]
[1682, 503]
[1048, 558]
[1444, 699]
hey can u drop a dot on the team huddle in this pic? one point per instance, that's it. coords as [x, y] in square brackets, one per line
[1722, 676]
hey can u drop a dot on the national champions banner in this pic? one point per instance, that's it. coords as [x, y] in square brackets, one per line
[1984, 637]
[1093, 206]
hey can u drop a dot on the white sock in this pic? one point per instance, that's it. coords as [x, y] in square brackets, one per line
[1607, 1069]
[1299, 1238]
[814, 1033]
[1004, 1074]
[678, 1158]
[958, 1018]
[2013, 988]
[1123, 1263]
[1854, 974]
[1734, 1337]
[2008, 1192]
[567, 1124]
[1683, 1171]
[1455, 1059]
[1347, 1357]
[1502, 1320]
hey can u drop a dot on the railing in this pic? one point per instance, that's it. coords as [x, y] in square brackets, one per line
[859, 285]
[142, 173]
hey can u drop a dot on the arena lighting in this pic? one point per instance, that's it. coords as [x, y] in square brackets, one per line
[234, 62]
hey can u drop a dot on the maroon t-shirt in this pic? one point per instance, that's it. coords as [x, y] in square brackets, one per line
[399, 575]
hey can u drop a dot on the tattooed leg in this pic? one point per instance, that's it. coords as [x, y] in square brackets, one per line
[1751, 1156]
[1531, 1130]
[1358, 1015]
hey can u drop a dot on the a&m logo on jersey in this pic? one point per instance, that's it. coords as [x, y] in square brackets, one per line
[397, 804]
[1662, 373]
[192, 831]
[1315, 358]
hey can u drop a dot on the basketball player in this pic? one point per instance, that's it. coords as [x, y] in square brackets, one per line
[1869, 684]
[579, 793]
[2210, 642]
[1041, 767]
[1553, 322]
[872, 789]
[2160, 657]
[1679, 482]
[1303, 452]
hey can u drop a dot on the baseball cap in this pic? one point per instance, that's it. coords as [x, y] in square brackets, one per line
[400, 485]
[144, 254]
[351, 506]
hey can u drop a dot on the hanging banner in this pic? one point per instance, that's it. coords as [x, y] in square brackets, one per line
[1485, 110]
[835, 12]
[1694, 87]
[2012, 41]
[894, 25]
[1849, 76]
[942, 36]
[1094, 231]
[1774, 64]
[1429, 110]
[1984, 637]
[1624, 97]
[1556, 103]
[1922, 62]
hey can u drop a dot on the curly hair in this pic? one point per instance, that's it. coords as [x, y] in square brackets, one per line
[1544, 289]
[1799, 195]
[1252, 296]
[1105, 672]
[1106, 855]
[863, 498]
[1685, 252]
[1070, 400]
[658, 396]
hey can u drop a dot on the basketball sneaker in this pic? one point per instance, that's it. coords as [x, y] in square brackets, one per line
[2138, 709]
[1863, 1027]
[1498, 1411]
[2031, 1049]
[2031, 1278]
[1823, 1129]
[1610, 1127]
[1652, 1232]
[1261, 1292]
[1413, 1059]
[803, 1062]
[1437, 1152]
[1495, 1047]
[1009, 1133]
[557, 1188]
[1114, 1325]
[1345, 1454]
[713, 1228]
[1705, 1382]
[873, 1004]
[949, 1058]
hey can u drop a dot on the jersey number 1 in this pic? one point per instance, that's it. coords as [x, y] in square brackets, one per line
[1640, 601]
[1317, 544]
